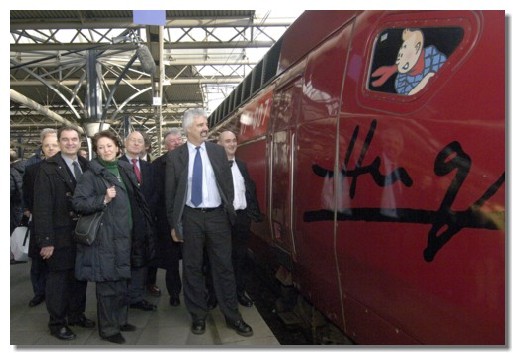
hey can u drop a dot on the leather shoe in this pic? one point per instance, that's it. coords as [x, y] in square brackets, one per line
[117, 338]
[127, 328]
[143, 305]
[38, 299]
[241, 328]
[83, 322]
[154, 290]
[244, 300]
[198, 327]
[174, 300]
[64, 333]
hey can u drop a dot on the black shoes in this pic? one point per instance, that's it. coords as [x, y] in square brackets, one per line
[143, 305]
[117, 338]
[198, 327]
[244, 300]
[241, 328]
[174, 300]
[82, 322]
[127, 328]
[38, 299]
[153, 290]
[64, 333]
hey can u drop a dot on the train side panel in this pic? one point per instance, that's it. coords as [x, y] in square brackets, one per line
[421, 247]
[382, 178]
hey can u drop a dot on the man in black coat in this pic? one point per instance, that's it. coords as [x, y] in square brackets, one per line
[247, 209]
[169, 251]
[134, 145]
[38, 267]
[199, 201]
[54, 223]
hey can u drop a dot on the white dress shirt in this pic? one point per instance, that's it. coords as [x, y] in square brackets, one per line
[239, 200]
[210, 193]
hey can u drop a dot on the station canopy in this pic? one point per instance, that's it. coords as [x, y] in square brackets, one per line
[85, 67]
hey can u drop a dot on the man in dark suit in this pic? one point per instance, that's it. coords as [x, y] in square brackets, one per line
[169, 251]
[247, 209]
[54, 223]
[38, 267]
[199, 201]
[134, 145]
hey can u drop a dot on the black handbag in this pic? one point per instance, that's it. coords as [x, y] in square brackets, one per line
[87, 228]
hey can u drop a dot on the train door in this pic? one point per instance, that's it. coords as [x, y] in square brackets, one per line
[316, 189]
[285, 110]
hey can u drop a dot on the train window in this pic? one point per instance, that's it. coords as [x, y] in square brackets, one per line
[405, 59]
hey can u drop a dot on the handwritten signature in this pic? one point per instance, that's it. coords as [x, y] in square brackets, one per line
[445, 222]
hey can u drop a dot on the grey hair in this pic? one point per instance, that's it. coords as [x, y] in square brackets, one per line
[173, 131]
[189, 115]
[46, 132]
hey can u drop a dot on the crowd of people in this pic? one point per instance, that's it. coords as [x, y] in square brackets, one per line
[194, 204]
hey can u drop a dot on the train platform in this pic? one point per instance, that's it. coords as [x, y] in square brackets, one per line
[166, 327]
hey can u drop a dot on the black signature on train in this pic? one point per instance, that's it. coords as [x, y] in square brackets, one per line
[445, 222]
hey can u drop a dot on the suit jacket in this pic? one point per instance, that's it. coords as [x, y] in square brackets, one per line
[147, 185]
[252, 208]
[177, 169]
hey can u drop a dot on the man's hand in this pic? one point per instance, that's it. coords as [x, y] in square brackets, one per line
[46, 252]
[174, 237]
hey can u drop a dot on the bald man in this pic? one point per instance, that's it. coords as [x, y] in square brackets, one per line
[169, 251]
[134, 145]
[246, 205]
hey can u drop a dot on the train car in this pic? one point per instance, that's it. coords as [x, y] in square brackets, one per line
[377, 143]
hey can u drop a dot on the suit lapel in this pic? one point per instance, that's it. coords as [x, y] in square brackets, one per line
[64, 173]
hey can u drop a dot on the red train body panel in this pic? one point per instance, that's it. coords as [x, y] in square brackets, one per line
[387, 201]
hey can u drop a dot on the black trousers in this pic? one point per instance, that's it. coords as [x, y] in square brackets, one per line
[65, 298]
[38, 275]
[240, 240]
[210, 232]
[112, 306]
[137, 284]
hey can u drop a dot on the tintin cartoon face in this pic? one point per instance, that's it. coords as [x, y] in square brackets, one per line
[410, 51]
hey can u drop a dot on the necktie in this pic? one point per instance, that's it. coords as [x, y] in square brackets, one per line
[76, 170]
[136, 170]
[231, 163]
[197, 176]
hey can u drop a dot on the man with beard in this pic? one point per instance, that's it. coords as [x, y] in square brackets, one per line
[199, 201]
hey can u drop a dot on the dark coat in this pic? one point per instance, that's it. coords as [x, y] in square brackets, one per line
[29, 179]
[147, 187]
[116, 248]
[176, 182]
[168, 250]
[253, 210]
[16, 195]
[53, 215]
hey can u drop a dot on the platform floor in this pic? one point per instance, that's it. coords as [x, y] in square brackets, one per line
[167, 327]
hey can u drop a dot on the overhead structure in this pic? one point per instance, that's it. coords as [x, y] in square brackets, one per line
[196, 54]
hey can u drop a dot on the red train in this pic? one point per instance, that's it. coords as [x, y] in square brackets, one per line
[377, 141]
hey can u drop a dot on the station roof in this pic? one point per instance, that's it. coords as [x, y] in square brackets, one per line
[199, 55]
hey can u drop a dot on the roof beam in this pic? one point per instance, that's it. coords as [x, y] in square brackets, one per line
[175, 46]
[128, 23]
[142, 82]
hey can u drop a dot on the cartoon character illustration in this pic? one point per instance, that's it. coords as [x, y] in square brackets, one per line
[415, 64]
